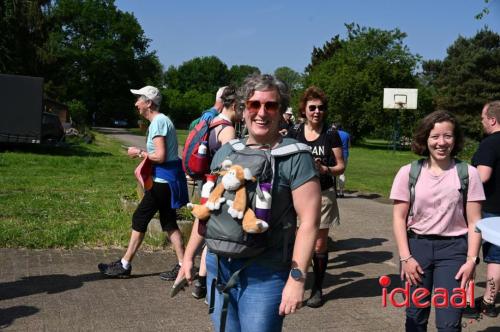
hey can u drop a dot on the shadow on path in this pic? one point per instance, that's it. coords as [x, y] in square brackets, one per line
[355, 258]
[9, 315]
[50, 284]
[360, 288]
[354, 243]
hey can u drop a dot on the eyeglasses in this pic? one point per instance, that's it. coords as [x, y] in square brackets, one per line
[320, 108]
[255, 105]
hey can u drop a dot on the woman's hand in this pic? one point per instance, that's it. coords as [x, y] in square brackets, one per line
[411, 271]
[292, 297]
[320, 167]
[133, 152]
[466, 273]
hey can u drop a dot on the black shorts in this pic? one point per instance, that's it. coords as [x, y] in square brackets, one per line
[156, 199]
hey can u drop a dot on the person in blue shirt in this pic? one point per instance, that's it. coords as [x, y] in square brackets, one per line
[168, 191]
[346, 144]
[212, 112]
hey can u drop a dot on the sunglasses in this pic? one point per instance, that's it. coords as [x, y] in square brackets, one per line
[255, 105]
[320, 108]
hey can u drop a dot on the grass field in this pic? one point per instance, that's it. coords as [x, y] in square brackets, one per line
[71, 196]
[66, 197]
[372, 166]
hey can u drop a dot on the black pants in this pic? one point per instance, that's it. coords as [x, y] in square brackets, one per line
[158, 198]
[440, 260]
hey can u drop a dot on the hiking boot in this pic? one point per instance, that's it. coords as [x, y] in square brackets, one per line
[114, 269]
[472, 313]
[199, 289]
[316, 299]
[172, 274]
[487, 309]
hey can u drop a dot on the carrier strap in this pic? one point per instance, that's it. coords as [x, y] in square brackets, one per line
[224, 290]
[463, 175]
[292, 148]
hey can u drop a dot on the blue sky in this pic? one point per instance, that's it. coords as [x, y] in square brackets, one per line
[271, 34]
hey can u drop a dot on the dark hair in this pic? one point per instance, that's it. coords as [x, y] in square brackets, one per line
[258, 82]
[311, 93]
[419, 144]
[228, 96]
[493, 110]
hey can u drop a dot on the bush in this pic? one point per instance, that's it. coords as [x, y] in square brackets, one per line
[79, 113]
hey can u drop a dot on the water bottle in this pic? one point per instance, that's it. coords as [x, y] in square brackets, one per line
[199, 163]
[206, 189]
[263, 204]
[203, 148]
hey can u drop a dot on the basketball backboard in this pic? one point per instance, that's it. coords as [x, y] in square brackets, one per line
[400, 98]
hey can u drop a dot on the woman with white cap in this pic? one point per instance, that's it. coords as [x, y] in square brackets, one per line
[169, 189]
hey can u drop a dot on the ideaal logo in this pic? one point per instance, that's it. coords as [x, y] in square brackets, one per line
[440, 299]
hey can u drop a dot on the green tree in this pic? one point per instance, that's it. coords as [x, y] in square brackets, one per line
[204, 74]
[23, 27]
[238, 73]
[468, 77]
[328, 50]
[293, 79]
[353, 73]
[95, 54]
[183, 107]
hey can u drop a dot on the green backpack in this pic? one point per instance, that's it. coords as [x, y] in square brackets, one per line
[463, 174]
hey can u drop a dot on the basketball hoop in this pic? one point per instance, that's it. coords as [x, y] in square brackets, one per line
[400, 98]
[400, 104]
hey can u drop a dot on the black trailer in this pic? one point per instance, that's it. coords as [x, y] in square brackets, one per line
[22, 119]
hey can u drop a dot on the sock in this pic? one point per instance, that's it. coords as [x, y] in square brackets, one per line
[203, 280]
[125, 264]
[320, 261]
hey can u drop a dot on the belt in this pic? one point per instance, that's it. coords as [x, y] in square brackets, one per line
[413, 235]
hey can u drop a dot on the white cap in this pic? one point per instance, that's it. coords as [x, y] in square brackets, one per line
[149, 92]
[289, 111]
[218, 95]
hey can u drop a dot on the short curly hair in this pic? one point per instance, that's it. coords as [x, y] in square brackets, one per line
[419, 144]
[266, 82]
[311, 93]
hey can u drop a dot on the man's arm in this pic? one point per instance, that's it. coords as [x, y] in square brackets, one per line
[484, 172]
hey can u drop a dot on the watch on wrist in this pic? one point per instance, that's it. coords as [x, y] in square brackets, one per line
[475, 259]
[296, 274]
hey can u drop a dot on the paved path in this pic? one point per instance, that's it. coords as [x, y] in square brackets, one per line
[60, 290]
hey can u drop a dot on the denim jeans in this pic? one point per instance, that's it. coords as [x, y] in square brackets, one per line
[253, 302]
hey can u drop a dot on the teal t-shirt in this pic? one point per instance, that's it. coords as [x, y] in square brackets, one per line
[163, 126]
[291, 172]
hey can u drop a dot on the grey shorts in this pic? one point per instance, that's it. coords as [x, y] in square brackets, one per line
[329, 209]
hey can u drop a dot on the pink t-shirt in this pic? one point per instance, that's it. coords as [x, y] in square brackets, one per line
[438, 207]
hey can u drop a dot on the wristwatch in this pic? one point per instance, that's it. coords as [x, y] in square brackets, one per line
[475, 259]
[297, 274]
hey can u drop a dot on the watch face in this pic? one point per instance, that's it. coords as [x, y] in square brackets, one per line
[296, 274]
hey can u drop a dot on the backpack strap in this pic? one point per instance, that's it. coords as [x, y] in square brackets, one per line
[286, 150]
[415, 168]
[237, 144]
[289, 149]
[463, 175]
[218, 122]
[224, 290]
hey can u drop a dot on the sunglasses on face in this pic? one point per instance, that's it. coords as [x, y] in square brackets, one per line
[320, 108]
[269, 106]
